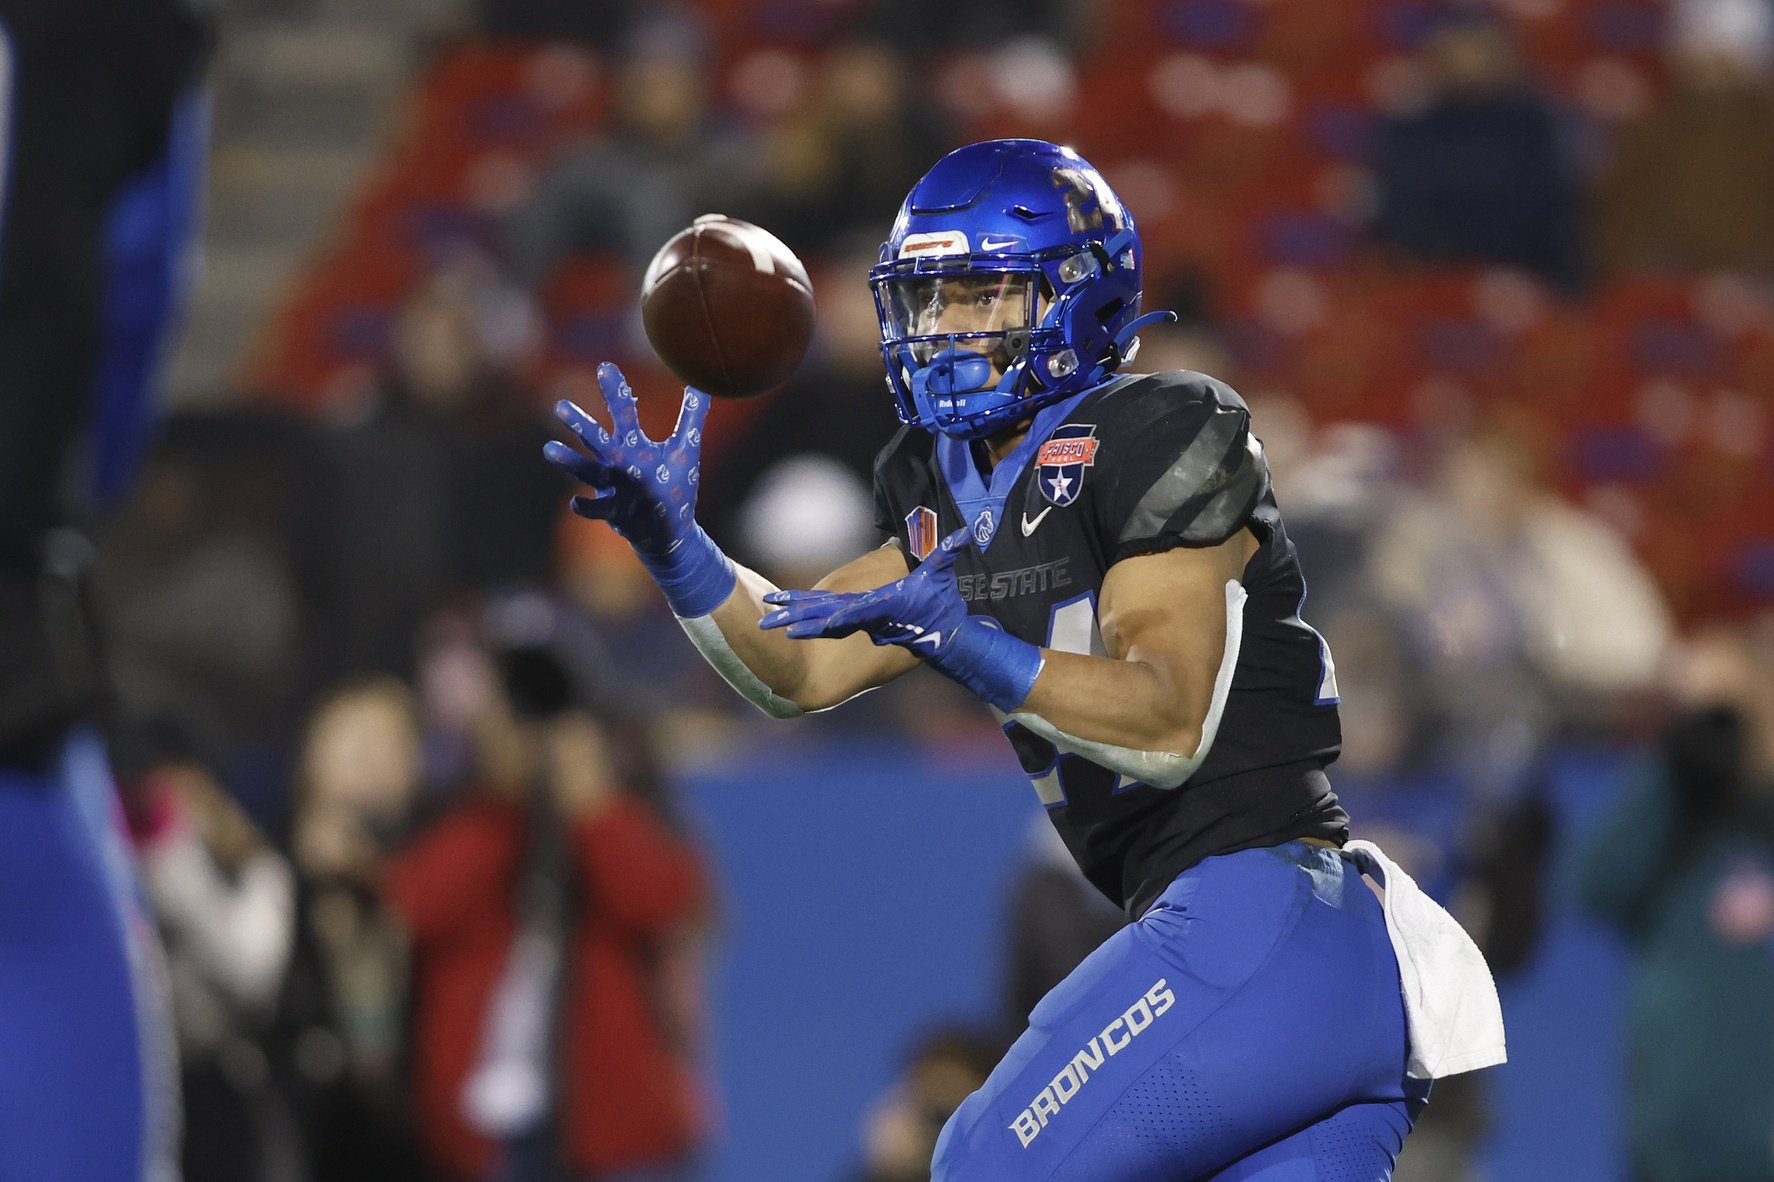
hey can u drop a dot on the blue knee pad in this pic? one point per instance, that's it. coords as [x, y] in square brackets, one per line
[83, 1096]
[1257, 998]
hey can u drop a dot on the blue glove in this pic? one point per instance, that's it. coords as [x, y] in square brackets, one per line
[646, 490]
[924, 613]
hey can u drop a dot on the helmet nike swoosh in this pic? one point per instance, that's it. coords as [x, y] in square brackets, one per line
[987, 244]
[1029, 526]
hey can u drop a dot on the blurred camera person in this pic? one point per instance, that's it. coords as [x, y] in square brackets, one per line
[225, 901]
[342, 1019]
[545, 909]
[1685, 867]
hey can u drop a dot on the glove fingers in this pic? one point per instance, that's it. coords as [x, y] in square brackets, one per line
[691, 416]
[850, 617]
[619, 397]
[587, 430]
[809, 605]
[817, 628]
[948, 550]
[790, 597]
[598, 505]
[580, 467]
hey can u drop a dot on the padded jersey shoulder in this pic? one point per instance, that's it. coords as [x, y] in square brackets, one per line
[1182, 466]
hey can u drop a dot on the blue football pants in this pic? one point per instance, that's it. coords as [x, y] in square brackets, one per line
[75, 1105]
[1248, 1028]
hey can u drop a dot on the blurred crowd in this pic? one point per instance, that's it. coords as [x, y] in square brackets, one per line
[398, 735]
[477, 907]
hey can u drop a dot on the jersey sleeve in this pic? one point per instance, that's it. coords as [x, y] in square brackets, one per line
[895, 476]
[1184, 468]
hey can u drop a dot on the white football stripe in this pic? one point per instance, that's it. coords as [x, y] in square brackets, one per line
[756, 243]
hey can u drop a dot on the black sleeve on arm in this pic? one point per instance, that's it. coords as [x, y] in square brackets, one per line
[1186, 470]
[893, 480]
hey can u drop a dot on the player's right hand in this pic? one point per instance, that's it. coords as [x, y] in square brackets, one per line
[645, 489]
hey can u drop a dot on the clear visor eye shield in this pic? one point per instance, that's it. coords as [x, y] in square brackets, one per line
[958, 334]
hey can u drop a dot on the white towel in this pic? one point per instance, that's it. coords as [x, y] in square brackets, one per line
[1451, 1009]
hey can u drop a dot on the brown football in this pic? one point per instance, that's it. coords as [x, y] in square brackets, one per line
[728, 307]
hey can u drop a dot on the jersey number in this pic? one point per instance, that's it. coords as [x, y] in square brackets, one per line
[1059, 776]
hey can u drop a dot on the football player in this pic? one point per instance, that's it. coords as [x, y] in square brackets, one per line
[102, 119]
[1097, 554]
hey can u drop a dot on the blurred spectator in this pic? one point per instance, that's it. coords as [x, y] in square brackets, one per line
[1686, 868]
[342, 1019]
[1527, 614]
[1194, 341]
[436, 488]
[1056, 920]
[900, 1131]
[665, 158]
[1479, 172]
[225, 901]
[1069, 25]
[1692, 186]
[643, 643]
[840, 170]
[203, 536]
[545, 909]
[596, 22]
[807, 517]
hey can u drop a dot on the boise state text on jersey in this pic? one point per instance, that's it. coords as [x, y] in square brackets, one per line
[1138, 465]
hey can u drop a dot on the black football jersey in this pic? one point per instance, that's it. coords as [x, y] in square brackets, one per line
[1138, 465]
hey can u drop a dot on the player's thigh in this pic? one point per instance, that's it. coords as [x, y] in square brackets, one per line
[1358, 1143]
[1258, 996]
[72, 1098]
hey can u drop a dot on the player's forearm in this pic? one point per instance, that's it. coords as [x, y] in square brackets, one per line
[780, 676]
[1150, 713]
[781, 666]
[1124, 715]
[1124, 703]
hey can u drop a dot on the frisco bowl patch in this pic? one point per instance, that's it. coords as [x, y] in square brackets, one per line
[1060, 461]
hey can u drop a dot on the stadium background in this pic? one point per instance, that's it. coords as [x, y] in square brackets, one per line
[1472, 341]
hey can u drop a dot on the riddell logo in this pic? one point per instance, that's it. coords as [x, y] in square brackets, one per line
[1114, 1039]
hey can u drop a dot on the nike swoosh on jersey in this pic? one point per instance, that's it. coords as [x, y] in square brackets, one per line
[1029, 526]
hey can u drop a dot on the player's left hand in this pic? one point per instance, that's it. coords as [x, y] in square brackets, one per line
[922, 611]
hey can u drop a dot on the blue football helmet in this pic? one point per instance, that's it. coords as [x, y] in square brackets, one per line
[1011, 280]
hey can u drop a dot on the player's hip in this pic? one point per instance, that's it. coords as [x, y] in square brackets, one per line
[1257, 996]
[1223, 919]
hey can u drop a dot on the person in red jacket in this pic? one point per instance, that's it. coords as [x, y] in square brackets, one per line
[545, 912]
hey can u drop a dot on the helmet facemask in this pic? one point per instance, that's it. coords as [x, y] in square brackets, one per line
[959, 337]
